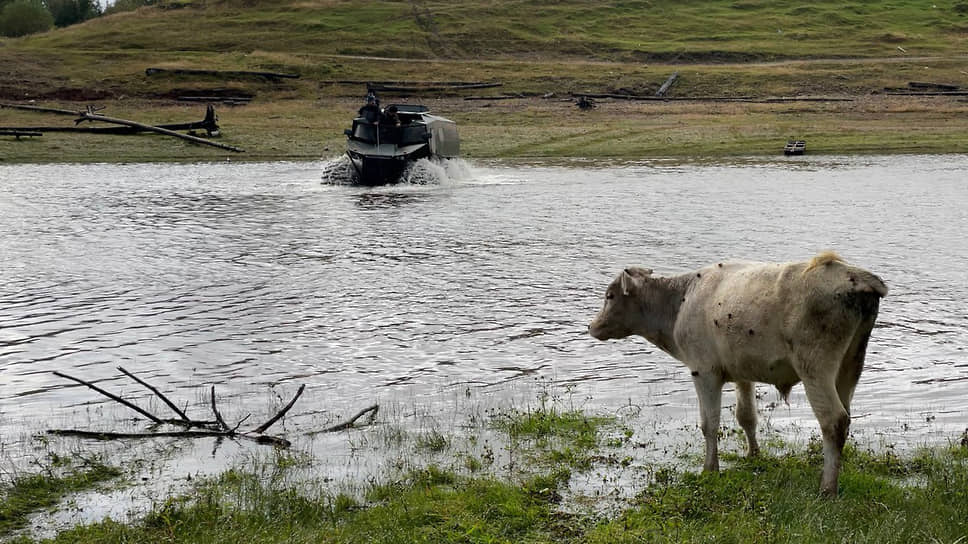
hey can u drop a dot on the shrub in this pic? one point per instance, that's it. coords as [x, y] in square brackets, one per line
[22, 17]
[69, 12]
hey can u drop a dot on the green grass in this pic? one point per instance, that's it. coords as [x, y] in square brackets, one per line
[31, 493]
[884, 498]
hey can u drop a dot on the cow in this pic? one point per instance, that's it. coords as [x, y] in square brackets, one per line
[745, 322]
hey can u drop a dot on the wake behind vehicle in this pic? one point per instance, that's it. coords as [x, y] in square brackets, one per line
[384, 142]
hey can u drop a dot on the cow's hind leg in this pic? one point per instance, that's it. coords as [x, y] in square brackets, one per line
[746, 415]
[853, 365]
[709, 387]
[834, 424]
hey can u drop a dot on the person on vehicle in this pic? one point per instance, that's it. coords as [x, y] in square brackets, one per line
[371, 110]
[390, 116]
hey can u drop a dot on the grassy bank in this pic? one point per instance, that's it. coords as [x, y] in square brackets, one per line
[884, 497]
[524, 128]
[752, 49]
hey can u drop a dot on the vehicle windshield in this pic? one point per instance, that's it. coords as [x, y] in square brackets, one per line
[404, 135]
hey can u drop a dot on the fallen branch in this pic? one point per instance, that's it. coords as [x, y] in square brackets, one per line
[112, 396]
[99, 435]
[262, 428]
[217, 428]
[170, 404]
[349, 423]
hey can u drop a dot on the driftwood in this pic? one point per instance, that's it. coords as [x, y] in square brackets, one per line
[91, 115]
[499, 97]
[38, 108]
[217, 428]
[668, 83]
[469, 84]
[218, 73]
[766, 100]
[932, 86]
[19, 132]
[429, 88]
[230, 100]
[349, 423]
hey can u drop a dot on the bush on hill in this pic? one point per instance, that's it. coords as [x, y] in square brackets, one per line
[22, 17]
[69, 12]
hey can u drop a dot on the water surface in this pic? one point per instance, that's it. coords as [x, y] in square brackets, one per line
[260, 277]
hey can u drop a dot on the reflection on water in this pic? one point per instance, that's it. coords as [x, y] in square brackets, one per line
[258, 277]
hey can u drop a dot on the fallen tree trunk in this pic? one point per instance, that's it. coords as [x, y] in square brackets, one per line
[19, 132]
[668, 83]
[91, 116]
[431, 88]
[218, 73]
[38, 108]
[209, 124]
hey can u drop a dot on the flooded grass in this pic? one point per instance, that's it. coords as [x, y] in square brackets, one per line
[58, 477]
[515, 485]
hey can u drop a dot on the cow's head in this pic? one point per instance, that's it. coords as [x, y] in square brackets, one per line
[622, 314]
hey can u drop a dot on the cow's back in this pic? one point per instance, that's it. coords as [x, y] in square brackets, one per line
[752, 321]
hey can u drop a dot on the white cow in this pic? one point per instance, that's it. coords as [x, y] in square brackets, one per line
[757, 322]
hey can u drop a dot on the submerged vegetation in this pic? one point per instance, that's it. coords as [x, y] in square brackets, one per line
[60, 476]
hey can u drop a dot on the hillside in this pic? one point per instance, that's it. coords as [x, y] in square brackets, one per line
[740, 48]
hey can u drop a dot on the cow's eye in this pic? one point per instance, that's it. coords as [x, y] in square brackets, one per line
[609, 296]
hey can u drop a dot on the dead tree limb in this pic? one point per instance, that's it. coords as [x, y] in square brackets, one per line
[91, 116]
[113, 397]
[99, 435]
[349, 423]
[217, 428]
[161, 395]
[262, 428]
[218, 416]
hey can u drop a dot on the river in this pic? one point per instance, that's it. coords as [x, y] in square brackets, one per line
[259, 277]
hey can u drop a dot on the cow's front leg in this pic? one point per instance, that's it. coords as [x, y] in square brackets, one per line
[746, 415]
[709, 387]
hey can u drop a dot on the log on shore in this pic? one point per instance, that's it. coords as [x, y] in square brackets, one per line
[18, 133]
[89, 116]
[218, 73]
[209, 124]
[431, 88]
[412, 83]
[38, 108]
[668, 83]
[499, 97]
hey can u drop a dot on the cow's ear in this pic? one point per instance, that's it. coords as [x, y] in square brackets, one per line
[631, 280]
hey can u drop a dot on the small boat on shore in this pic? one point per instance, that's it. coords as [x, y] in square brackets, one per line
[795, 147]
[384, 142]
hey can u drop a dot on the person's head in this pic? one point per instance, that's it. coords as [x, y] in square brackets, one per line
[392, 109]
